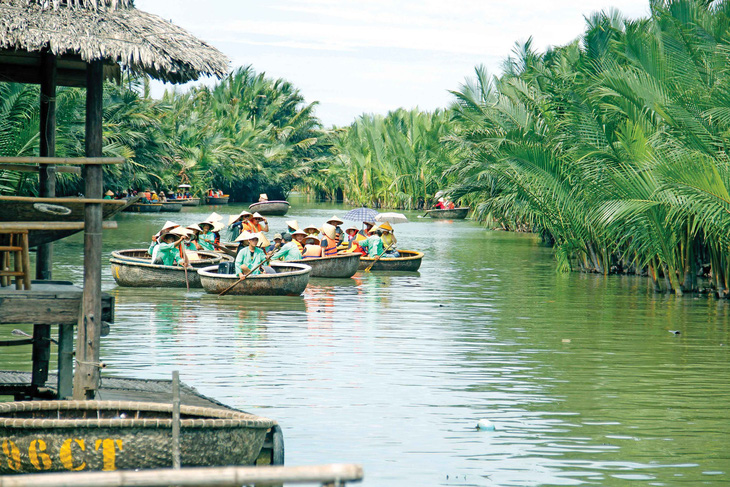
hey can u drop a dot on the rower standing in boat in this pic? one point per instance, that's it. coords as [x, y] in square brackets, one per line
[288, 251]
[329, 240]
[249, 258]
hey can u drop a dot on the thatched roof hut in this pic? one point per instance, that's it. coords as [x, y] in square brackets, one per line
[109, 30]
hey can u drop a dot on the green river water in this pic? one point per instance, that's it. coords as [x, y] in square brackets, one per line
[579, 373]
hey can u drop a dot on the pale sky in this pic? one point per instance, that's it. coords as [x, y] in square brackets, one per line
[372, 56]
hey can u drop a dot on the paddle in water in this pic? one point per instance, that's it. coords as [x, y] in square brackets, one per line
[378, 257]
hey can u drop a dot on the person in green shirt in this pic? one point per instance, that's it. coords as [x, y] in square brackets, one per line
[373, 244]
[249, 258]
[288, 251]
[206, 237]
[166, 251]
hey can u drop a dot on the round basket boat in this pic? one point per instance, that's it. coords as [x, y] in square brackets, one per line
[289, 280]
[134, 268]
[271, 208]
[335, 266]
[47, 436]
[409, 260]
[452, 214]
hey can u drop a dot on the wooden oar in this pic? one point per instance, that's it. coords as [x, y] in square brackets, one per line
[186, 262]
[424, 215]
[378, 257]
[225, 291]
[225, 250]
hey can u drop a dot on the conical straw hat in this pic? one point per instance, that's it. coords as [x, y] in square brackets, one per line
[329, 231]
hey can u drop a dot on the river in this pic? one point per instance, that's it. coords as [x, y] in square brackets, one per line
[584, 377]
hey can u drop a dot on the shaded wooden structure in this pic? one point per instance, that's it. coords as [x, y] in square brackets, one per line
[81, 43]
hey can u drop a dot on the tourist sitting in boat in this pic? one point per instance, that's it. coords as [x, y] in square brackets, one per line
[276, 244]
[154, 198]
[336, 222]
[258, 223]
[238, 224]
[312, 230]
[288, 251]
[165, 229]
[263, 197]
[109, 195]
[373, 244]
[192, 243]
[329, 240]
[312, 247]
[250, 259]
[441, 205]
[298, 238]
[352, 240]
[389, 240]
[367, 228]
[206, 239]
[166, 251]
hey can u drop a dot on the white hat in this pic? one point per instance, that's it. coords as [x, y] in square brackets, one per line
[218, 226]
[245, 236]
[263, 196]
[167, 226]
[244, 213]
[293, 224]
[329, 231]
[214, 217]
[311, 227]
[335, 219]
[180, 231]
[258, 215]
[313, 237]
[194, 226]
[441, 200]
[299, 232]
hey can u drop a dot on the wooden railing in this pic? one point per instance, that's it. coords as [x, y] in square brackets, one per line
[327, 475]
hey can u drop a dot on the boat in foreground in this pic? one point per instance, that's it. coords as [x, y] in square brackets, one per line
[452, 214]
[289, 280]
[134, 268]
[124, 435]
[409, 260]
[215, 200]
[271, 208]
[335, 266]
[172, 206]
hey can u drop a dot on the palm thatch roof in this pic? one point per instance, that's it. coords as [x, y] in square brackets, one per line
[110, 30]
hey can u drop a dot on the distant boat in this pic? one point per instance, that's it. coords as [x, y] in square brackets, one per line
[271, 208]
[452, 214]
[409, 260]
[144, 208]
[191, 201]
[171, 206]
[217, 200]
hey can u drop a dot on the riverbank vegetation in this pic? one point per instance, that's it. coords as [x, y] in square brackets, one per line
[613, 147]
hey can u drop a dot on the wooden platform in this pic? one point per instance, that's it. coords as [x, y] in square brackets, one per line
[47, 303]
[123, 389]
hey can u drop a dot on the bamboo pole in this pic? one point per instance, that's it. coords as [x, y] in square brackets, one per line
[47, 173]
[212, 476]
[86, 380]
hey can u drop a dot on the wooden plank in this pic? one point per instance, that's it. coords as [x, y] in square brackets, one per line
[86, 379]
[85, 161]
[17, 307]
[7, 227]
[25, 168]
[65, 361]
[336, 474]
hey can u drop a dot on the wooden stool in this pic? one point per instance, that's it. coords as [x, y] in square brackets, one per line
[17, 246]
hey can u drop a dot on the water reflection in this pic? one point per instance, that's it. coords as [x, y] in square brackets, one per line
[393, 370]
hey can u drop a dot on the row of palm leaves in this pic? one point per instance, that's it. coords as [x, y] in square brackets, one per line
[613, 147]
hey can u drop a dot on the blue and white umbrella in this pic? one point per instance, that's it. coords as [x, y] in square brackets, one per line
[361, 215]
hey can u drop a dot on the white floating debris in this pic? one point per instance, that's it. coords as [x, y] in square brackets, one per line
[485, 425]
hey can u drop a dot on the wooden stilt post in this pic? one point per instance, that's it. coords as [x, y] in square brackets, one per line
[47, 175]
[65, 361]
[41, 354]
[86, 379]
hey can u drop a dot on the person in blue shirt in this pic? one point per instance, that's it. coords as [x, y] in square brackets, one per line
[250, 259]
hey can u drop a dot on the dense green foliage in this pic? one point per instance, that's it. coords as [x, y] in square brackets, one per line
[613, 147]
[396, 161]
[247, 134]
